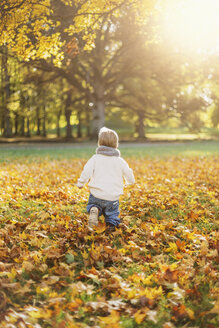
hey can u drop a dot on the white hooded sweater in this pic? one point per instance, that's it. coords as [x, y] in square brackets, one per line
[105, 175]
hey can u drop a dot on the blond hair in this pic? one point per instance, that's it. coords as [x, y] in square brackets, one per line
[108, 137]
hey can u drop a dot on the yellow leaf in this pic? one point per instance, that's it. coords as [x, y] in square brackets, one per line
[172, 249]
[85, 255]
[41, 314]
[190, 313]
[131, 294]
[113, 318]
[139, 316]
[215, 308]
[12, 274]
[100, 228]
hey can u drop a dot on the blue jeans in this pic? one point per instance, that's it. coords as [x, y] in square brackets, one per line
[110, 209]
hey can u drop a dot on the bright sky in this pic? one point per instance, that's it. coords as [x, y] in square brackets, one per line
[192, 25]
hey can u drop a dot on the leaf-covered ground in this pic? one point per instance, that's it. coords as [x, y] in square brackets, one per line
[159, 269]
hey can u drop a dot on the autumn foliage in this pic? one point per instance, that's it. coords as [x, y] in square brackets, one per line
[158, 269]
[31, 29]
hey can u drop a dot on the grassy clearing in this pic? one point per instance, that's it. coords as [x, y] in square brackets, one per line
[57, 151]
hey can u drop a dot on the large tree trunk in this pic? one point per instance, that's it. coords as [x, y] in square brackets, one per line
[68, 117]
[140, 128]
[98, 119]
[7, 124]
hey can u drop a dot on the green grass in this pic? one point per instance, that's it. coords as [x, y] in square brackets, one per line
[139, 150]
[196, 148]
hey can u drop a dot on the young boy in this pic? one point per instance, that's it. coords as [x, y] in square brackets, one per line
[105, 172]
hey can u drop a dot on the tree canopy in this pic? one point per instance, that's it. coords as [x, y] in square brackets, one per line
[33, 29]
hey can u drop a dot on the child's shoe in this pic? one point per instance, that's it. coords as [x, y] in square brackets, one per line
[93, 218]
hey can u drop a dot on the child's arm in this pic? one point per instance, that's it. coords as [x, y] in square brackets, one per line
[128, 174]
[86, 173]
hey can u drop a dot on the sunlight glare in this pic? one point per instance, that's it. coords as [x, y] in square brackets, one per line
[192, 25]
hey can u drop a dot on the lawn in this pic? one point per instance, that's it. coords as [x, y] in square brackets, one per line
[159, 269]
[51, 151]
